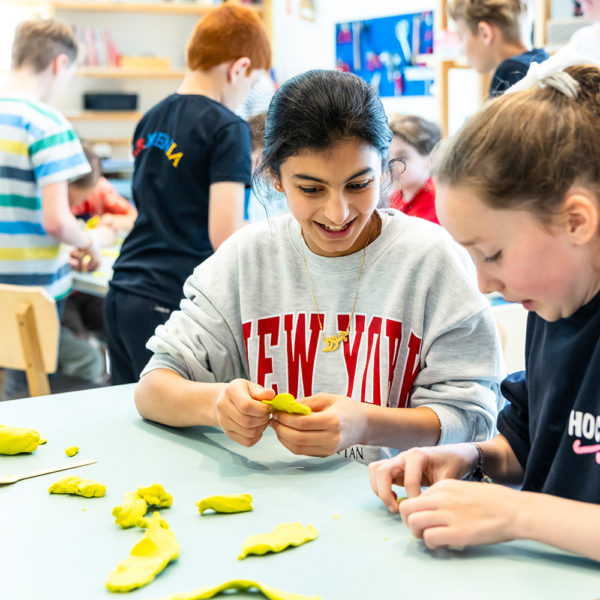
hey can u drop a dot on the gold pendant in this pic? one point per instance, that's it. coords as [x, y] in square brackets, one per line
[333, 341]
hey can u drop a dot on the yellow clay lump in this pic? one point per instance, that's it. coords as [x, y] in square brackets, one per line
[239, 585]
[72, 484]
[16, 440]
[152, 553]
[131, 511]
[226, 504]
[72, 451]
[284, 535]
[155, 495]
[287, 403]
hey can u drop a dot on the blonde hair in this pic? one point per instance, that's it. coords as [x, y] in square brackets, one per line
[505, 14]
[524, 150]
[421, 134]
[39, 41]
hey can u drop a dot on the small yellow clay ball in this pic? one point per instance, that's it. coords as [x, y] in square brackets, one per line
[72, 451]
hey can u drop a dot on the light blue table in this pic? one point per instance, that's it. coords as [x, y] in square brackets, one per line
[52, 548]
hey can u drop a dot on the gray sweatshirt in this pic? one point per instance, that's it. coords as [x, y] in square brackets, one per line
[421, 333]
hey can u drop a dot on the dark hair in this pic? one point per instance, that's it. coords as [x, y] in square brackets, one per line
[317, 109]
[524, 150]
[89, 179]
[39, 41]
[257, 129]
[421, 134]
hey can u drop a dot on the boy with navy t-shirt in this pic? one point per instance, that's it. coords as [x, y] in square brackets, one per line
[192, 165]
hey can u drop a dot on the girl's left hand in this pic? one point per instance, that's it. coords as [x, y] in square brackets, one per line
[336, 422]
[461, 513]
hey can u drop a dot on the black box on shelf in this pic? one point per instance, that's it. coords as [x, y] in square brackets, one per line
[109, 101]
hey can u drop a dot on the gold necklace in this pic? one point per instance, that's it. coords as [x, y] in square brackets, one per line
[333, 342]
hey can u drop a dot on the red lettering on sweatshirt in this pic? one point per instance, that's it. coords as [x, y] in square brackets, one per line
[268, 326]
[298, 359]
[393, 331]
[247, 332]
[352, 346]
[411, 368]
[373, 347]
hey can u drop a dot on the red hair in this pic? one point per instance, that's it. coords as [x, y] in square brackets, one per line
[227, 33]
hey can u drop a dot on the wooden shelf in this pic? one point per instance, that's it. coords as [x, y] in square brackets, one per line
[103, 115]
[160, 8]
[118, 73]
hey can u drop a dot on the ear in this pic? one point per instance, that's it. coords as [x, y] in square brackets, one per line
[486, 32]
[59, 64]
[581, 217]
[276, 181]
[238, 68]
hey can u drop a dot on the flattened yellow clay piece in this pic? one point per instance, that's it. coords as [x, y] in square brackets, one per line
[43, 440]
[16, 440]
[72, 451]
[226, 504]
[284, 535]
[287, 403]
[153, 552]
[240, 585]
[131, 511]
[72, 484]
[155, 495]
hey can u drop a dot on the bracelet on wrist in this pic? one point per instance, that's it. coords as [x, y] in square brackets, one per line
[478, 474]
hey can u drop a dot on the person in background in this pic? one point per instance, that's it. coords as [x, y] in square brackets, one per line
[492, 41]
[39, 155]
[519, 187]
[412, 144]
[257, 101]
[93, 195]
[192, 164]
[304, 303]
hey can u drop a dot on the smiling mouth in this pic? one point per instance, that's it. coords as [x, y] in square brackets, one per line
[333, 228]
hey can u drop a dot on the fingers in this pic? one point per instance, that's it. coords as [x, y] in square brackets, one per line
[246, 437]
[381, 476]
[311, 443]
[415, 465]
[258, 392]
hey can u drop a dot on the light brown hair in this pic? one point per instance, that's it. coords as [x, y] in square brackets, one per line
[227, 33]
[89, 180]
[421, 134]
[39, 41]
[524, 150]
[257, 129]
[505, 14]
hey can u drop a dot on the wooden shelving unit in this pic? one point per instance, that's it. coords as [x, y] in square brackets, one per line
[162, 8]
[120, 73]
[104, 115]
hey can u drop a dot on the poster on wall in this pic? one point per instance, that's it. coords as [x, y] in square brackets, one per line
[389, 53]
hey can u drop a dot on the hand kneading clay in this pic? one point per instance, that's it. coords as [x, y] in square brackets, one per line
[15, 440]
[240, 585]
[287, 403]
[153, 552]
[226, 504]
[155, 495]
[284, 535]
[72, 484]
[131, 511]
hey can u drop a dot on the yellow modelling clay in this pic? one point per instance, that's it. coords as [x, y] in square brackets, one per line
[92, 222]
[240, 585]
[402, 499]
[155, 495]
[284, 535]
[226, 504]
[131, 511]
[72, 451]
[43, 440]
[152, 553]
[16, 440]
[72, 484]
[287, 403]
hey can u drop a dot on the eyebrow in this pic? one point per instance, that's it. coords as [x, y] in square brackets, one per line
[470, 242]
[311, 178]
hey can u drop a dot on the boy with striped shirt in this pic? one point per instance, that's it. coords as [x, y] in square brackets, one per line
[39, 154]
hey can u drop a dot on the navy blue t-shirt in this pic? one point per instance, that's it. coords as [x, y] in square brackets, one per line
[553, 420]
[181, 146]
[513, 69]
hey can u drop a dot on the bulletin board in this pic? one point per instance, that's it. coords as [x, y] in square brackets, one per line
[389, 53]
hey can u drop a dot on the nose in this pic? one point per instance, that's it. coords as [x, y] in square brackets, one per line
[486, 282]
[336, 208]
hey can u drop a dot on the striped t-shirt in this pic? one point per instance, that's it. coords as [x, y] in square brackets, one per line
[38, 147]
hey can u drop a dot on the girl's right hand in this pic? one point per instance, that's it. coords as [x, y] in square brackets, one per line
[420, 466]
[240, 413]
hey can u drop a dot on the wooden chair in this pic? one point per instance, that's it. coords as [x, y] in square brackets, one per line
[29, 330]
